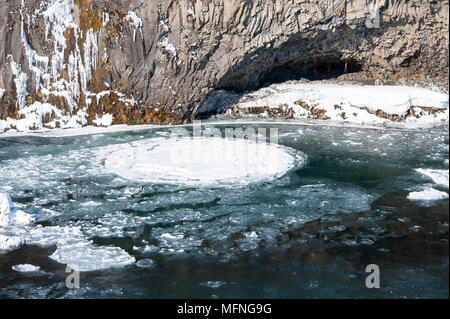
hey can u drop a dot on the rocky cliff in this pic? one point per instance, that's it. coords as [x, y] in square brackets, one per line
[67, 63]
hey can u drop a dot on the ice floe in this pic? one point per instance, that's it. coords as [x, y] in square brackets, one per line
[73, 247]
[205, 161]
[84, 256]
[75, 250]
[427, 194]
[145, 263]
[26, 268]
[438, 176]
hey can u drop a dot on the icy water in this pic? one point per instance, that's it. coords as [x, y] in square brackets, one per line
[306, 228]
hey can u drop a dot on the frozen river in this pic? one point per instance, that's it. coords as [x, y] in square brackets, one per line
[142, 216]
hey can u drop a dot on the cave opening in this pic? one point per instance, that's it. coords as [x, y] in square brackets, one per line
[313, 70]
[237, 83]
[275, 72]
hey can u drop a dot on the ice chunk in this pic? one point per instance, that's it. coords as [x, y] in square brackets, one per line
[26, 268]
[171, 237]
[10, 242]
[6, 206]
[439, 176]
[145, 263]
[213, 284]
[253, 234]
[428, 194]
[9, 215]
[83, 256]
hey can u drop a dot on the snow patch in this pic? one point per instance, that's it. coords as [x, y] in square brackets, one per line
[164, 25]
[170, 48]
[105, 120]
[33, 118]
[352, 103]
[191, 12]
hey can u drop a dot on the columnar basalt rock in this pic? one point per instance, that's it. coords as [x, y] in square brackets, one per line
[156, 61]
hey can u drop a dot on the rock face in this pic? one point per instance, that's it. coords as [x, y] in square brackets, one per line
[70, 62]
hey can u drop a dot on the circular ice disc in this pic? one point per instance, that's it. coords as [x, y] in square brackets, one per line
[202, 161]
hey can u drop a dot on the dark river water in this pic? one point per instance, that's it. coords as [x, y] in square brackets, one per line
[304, 229]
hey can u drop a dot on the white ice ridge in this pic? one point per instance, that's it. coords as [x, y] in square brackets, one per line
[438, 176]
[202, 161]
[354, 100]
[10, 215]
[427, 194]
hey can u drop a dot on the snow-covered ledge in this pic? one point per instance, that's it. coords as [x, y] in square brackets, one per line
[361, 104]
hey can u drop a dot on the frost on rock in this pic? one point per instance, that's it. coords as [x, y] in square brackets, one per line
[20, 80]
[145, 263]
[170, 48]
[373, 16]
[33, 115]
[191, 12]
[73, 246]
[9, 218]
[164, 25]
[137, 23]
